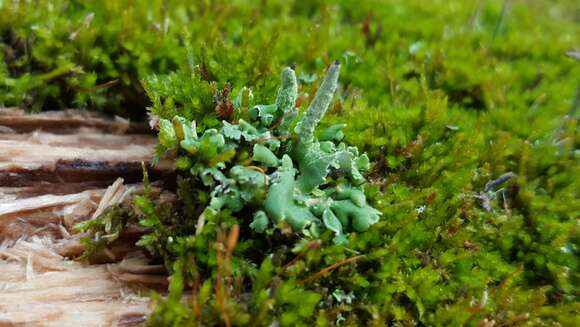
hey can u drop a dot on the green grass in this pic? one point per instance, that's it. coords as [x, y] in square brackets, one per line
[444, 96]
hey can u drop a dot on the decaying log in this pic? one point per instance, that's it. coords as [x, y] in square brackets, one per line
[57, 169]
[41, 285]
[40, 288]
[73, 148]
[38, 157]
[66, 122]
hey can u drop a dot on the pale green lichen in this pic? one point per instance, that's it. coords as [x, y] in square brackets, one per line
[255, 163]
[319, 104]
[263, 155]
[281, 204]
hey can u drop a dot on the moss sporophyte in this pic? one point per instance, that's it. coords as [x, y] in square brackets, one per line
[289, 174]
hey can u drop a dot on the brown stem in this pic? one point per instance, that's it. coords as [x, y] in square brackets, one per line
[331, 268]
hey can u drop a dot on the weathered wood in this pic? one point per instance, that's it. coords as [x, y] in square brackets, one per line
[40, 288]
[57, 169]
[66, 122]
[40, 283]
[29, 158]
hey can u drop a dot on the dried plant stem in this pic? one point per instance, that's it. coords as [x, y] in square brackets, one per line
[331, 268]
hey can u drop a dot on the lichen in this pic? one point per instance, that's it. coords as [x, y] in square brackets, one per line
[285, 173]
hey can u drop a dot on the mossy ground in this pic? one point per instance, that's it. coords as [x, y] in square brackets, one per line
[444, 96]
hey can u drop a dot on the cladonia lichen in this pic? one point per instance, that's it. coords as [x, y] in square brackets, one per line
[284, 173]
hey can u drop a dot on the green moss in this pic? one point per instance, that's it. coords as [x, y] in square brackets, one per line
[443, 97]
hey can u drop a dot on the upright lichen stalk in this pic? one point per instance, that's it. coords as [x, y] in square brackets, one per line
[319, 104]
